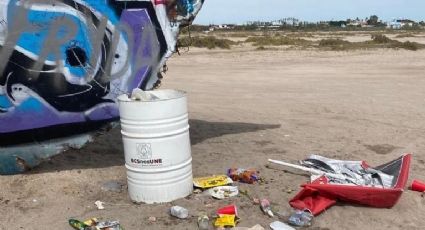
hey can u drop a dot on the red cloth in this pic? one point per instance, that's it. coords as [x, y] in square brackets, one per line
[311, 199]
[319, 195]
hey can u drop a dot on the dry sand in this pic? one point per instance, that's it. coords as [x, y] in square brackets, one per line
[245, 107]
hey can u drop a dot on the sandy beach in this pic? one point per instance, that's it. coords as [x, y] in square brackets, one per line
[247, 106]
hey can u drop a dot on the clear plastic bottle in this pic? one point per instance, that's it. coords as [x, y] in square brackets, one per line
[301, 218]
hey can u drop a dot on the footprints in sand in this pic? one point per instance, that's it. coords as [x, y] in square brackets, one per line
[382, 149]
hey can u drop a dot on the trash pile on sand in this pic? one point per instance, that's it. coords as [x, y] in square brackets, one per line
[332, 181]
[159, 170]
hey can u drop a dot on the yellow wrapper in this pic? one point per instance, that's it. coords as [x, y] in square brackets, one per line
[213, 181]
[225, 221]
[91, 222]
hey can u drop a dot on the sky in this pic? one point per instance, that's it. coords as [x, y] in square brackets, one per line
[241, 11]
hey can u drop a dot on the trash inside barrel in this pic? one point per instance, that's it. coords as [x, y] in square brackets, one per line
[155, 133]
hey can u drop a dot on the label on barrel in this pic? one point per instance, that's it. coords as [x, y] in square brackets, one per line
[144, 150]
[144, 155]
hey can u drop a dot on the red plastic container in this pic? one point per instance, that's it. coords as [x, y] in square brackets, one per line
[418, 186]
[228, 210]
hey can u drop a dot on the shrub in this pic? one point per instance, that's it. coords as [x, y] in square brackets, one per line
[276, 41]
[381, 39]
[407, 35]
[335, 44]
[407, 45]
[209, 42]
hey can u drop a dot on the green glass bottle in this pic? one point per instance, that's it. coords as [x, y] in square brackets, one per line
[76, 224]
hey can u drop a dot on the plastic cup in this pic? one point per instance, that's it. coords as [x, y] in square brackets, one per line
[418, 186]
[228, 210]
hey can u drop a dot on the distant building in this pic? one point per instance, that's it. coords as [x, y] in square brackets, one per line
[400, 23]
[226, 26]
[357, 23]
[222, 27]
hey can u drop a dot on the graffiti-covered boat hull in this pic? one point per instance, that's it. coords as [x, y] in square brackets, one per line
[64, 62]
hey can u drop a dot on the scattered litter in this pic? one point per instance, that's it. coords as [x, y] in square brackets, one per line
[179, 212]
[109, 225]
[266, 207]
[228, 210]
[213, 181]
[93, 224]
[203, 222]
[152, 219]
[141, 95]
[112, 186]
[256, 201]
[76, 224]
[343, 172]
[256, 227]
[354, 181]
[277, 225]
[99, 204]
[301, 218]
[418, 186]
[249, 176]
[197, 191]
[222, 192]
[34, 200]
[225, 220]
[227, 216]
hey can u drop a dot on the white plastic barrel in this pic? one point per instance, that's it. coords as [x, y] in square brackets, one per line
[157, 151]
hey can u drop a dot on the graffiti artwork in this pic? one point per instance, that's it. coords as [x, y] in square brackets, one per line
[64, 62]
